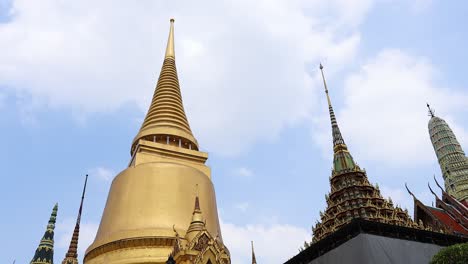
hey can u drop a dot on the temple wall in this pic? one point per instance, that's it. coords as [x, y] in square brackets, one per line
[371, 249]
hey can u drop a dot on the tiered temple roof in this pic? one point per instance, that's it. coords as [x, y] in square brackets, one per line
[352, 195]
[452, 160]
[448, 216]
[45, 251]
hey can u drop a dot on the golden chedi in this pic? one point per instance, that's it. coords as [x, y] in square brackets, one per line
[151, 202]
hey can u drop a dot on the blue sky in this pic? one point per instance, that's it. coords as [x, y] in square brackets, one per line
[76, 80]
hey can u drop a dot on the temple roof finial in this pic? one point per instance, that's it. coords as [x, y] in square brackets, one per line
[430, 189]
[71, 257]
[414, 197]
[254, 259]
[325, 85]
[197, 224]
[338, 142]
[343, 159]
[438, 185]
[170, 51]
[197, 201]
[431, 111]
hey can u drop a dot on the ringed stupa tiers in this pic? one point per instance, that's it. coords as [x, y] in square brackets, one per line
[452, 159]
[150, 203]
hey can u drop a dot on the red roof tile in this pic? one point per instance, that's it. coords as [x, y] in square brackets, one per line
[448, 220]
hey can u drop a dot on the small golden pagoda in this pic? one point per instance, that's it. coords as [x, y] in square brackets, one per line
[352, 196]
[150, 202]
[198, 245]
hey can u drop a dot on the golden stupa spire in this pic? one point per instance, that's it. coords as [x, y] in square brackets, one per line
[166, 121]
[170, 51]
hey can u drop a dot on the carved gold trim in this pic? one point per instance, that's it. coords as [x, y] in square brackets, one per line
[130, 243]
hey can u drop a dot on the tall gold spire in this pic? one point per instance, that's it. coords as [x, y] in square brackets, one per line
[338, 141]
[170, 51]
[342, 159]
[166, 121]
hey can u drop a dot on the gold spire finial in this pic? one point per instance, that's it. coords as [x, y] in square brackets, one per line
[338, 142]
[197, 224]
[325, 85]
[170, 52]
[197, 201]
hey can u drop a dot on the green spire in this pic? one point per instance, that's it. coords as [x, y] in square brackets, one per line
[45, 251]
[342, 159]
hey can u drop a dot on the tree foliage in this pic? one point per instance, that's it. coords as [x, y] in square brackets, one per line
[455, 254]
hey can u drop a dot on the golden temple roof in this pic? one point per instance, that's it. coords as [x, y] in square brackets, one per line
[166, 119]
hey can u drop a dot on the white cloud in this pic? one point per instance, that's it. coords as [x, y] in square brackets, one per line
[243, 172]
[384, 117]
[242, 64]
[102, 173]
[273, 243]
[64, 230]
